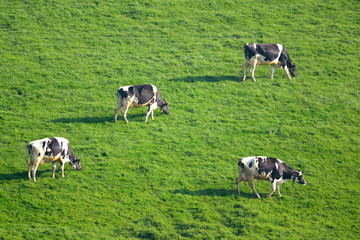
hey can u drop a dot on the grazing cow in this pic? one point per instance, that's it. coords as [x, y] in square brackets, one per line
[52, 150]
[140, 96]
[267, 54]
[266, 168]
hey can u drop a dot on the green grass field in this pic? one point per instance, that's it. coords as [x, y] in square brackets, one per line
[174, 178]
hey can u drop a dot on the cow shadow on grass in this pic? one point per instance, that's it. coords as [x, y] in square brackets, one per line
[84, 120]
[23, 175]
[212, 192]
[131, 117]
[207, 79]
[13, 176]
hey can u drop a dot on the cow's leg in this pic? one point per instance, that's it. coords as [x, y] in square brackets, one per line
[151, 109]
[274, 187]
[117, 110]
[53, 169]
[252, 69]
[278, 190]
[244, 66]
[287, 72]
[34, 169]
[29, 169]
[124, 112]
[252, 185]
[62, 169]
[242, 177]
[238, 180]
[148, 114]
[116, 114]
[272, 70]
[152, 114]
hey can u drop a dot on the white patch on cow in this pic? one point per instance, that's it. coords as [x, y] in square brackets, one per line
[260, 58]
[154, 89]
[280, 47]
[125, 88]
[280, 181]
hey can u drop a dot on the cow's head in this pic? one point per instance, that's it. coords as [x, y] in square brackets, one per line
[297, 177]
[164, 107]
[75, 163]
[292, 70]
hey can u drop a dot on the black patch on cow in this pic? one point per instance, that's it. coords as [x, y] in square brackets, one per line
[39, 154]
[122, 93]
[54, 147]
[267, 165]
[286, 171]
[240, 163]
[250, 165]
[249, 51]
[274, 160]
[144, 92]
[43, 144]
[131, 90]
[283, 170]
[162, 103]
[269, 50]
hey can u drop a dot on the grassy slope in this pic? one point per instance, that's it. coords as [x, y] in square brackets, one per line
[62, 61]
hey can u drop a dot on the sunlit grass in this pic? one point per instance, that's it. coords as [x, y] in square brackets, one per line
[174, 177]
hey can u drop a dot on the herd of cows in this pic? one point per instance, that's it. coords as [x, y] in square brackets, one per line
[58, 150]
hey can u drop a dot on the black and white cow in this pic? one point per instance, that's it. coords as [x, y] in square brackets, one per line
[267, 54]
[140, 96]
[55, 149]
[266, 168]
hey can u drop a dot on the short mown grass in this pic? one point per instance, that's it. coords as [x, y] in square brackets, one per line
[174, 177]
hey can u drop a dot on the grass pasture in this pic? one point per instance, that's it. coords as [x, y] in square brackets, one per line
[174, 178]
